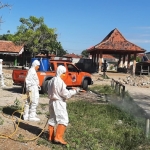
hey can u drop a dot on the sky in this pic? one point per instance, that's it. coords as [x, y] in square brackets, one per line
[81, 24]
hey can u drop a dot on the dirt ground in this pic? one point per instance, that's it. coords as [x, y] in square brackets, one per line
[29, 131]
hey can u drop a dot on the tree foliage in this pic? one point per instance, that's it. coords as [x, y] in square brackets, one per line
[35, 35]
[85, 53]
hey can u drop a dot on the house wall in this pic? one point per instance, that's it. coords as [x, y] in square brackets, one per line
[75, 60]
[86, 65]
[125, 64]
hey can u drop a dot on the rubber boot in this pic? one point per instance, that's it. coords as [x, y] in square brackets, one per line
[59, 134]
[51, 133]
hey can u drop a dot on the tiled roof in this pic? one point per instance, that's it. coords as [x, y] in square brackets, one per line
[9, 47]
[114, 42]
[49, 55]
[72, 55]
[108, 56]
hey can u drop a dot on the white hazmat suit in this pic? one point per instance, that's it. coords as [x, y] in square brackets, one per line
[58, 94]
[1, 74]
[32, 85]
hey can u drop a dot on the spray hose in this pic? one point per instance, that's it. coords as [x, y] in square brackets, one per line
[4, 136]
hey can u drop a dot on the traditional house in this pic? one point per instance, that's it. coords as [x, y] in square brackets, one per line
[115, 43]
[11, 53]
[75, 58]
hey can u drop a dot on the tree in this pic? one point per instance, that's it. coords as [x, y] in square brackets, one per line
[85, 53]
[3, 6]
[36, 36]
[138, 59]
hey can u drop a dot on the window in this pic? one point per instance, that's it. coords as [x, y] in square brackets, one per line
[58, 64]
[71, 68]
[51, 67]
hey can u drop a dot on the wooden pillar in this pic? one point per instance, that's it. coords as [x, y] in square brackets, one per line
[15, 62]
[119, 61]
[124, 58]
[97, 61]
[23, 58]
[97, 56]
[129, 59]
[134, 64]
[92, 58]
[147, 128]
[100, 61]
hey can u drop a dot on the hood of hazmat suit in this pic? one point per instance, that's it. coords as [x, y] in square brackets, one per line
[60, 70]
[35, 63]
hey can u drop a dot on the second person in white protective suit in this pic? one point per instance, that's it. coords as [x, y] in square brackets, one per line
[32, 88]
[58, 94]
[1, 73]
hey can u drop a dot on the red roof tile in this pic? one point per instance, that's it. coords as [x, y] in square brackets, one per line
[115, 42]
[108, 56]
[72, 55]
[10, 47]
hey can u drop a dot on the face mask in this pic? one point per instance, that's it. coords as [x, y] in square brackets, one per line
[63, 75]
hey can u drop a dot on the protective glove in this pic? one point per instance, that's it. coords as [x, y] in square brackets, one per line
[39, 88]
[28, 89]
[76, 88]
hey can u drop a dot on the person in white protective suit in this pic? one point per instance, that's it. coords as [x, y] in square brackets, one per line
[32, 89]
[1, 60]
[1, 74]
[58, 94]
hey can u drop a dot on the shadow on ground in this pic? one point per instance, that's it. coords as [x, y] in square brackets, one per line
[14, 90]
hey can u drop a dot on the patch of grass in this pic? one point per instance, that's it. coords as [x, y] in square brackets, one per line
[97, 127]
[104, 76]
[42, 142]
[43, 106]
[102, 127]
[105, 89]
[44, 95]
[20, 137]
[17, 103]
[1, 121]
[16, 107]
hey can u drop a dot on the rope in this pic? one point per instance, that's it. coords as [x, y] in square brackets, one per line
[18, 120]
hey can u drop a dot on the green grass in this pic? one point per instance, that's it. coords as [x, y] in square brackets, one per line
[102, 127]
[105, 89]
[97, 127]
